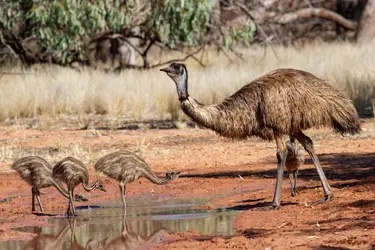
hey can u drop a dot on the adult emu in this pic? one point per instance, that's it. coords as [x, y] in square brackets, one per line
[282, 102]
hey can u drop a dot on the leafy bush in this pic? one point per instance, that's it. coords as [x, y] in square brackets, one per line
[177, 20]
[63, 26]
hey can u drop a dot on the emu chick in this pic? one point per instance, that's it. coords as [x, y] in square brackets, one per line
[295, 159]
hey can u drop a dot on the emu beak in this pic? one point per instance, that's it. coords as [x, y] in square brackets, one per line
[166, 70]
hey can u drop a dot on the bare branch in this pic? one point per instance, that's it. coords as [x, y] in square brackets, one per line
[179, 60]
[316, 12]
[193, 55]
[2, 40]
[225, 53]
[128, 66]
[266, 38]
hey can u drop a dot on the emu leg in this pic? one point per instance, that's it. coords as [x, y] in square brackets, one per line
[39, 202]
[291, 179]
[293, 183]
[72, 228]
[122, 191]
[69, 210]
[308, 145]
[32, 200]
[281, 159]
[295, 174]
[71, 200]
[124, 227]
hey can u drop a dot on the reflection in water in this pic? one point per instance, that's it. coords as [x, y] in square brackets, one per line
[109, 228]
[127, 239]
[48, 241]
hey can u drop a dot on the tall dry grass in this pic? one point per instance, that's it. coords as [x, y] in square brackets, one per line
[138, 95]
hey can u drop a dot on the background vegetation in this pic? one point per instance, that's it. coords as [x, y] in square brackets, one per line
[143, 95]
[61, 29]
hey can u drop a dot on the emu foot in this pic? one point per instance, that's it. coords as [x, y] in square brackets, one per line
[294, 193]
[326, 198]
[80, 198]
[267, 207]
[69, 213]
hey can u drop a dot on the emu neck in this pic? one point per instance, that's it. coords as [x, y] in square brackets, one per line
[88, 188]
[156, 180]
[60, 189]
[182, 87]
[207, 116]
[60, 239]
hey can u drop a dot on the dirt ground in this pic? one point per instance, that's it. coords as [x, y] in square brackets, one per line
[214, 165]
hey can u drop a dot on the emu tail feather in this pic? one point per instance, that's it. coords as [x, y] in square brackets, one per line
[345, 120]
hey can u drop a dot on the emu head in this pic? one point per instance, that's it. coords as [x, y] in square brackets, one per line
[178, 73]
[100, 185]
[172, 175]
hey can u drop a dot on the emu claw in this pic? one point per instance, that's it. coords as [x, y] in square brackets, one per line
[326, 198]
[69, 213]
[294, 193]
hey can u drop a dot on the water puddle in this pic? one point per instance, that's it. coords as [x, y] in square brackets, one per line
[145, 221]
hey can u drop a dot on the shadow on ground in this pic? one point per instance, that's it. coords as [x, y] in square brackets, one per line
[258, 206]
[336, 167]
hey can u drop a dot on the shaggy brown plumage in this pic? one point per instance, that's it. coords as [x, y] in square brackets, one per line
[37, 172]
[294, 160]
[282, 102]
[73, 172]
[126, 166]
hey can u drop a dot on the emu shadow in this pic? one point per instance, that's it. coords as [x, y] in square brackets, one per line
[325, 247]
[255, 232]
[362, 204]
[337, 166]
[251, 200]
[350, 224]
[258, 206]
[45, 214]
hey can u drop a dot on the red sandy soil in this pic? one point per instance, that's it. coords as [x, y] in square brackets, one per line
[212, 165]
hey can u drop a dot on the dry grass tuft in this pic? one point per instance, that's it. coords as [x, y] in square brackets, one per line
[138, 95]
[52, 154]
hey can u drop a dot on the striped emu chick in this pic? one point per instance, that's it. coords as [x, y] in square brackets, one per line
[126, 167]
[73, 172]
[295, 159]
[37, 172]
